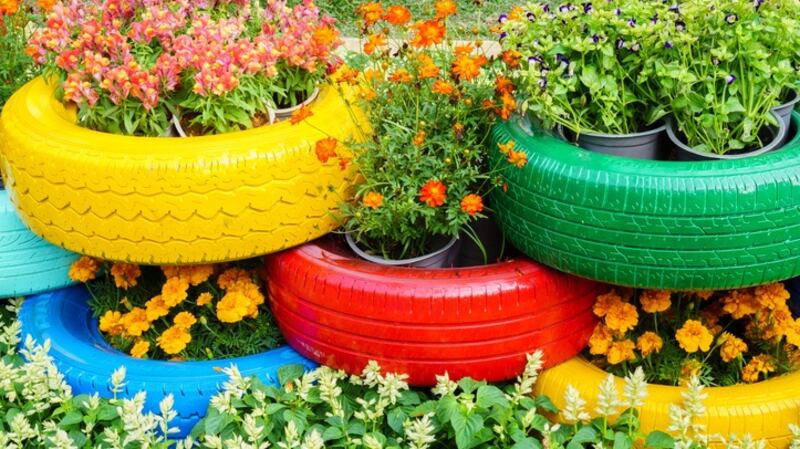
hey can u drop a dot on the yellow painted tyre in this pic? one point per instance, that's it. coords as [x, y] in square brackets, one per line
[170, 200]
[764, 409]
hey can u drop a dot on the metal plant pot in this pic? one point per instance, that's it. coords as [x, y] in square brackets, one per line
[441, 258]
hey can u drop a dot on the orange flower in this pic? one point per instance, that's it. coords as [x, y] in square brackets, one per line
[140, 348]
[397, 15]
[371, 12]
[174, 291]
[428, 68]
[174, 340]
[419, 139]
[601, 340]
[233, 307]
[472, 204]
[373, 200]
[345, 74]
[84, 269]
[135, 322]
[508, 105]
[196, 274]
[760, 364]
[232, 277]
[511, 58]
[300, 115]
[344, 162]
[204, 299]
[464, 49]
[655, 301]
[46, 5]
[648, 343]
[622, 317]
[518, 158]
[184, 320]
[445, 8]
[326, 149]
[467, 68]
[772, 296]
[374, 41]
[604, 302]
[503, 85]
[125, 275]
[740, 303]
[155, 308]
[693, 336]
[111, 323]
[732, 347]
[621, 351]
[433, 193]
[366, 93]
[325, 35]
[8, 7]
[506, 148]
[442, 88]
[458, 131]
[428, 32]
[401, 76]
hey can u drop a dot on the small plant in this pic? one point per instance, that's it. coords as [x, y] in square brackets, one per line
[16, 67]
[722, 338]
[184, 313]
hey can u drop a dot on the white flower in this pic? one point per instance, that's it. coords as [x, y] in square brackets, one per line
[444, 386]
[118, 380]
[371, 442]
[291, 436]
[21, 429]
[313, 440]
[237, 385]
[252, 429]
[305, 383]
[167, 415]
[329, 391]
[61, 440]
[607, 398]
[391, 387]
[420, 432]
[635, 389]
[371, 374]
[693, 398]
[795, 429]
[574, 406]
[212, 441]
[524, 386]
[222, 403]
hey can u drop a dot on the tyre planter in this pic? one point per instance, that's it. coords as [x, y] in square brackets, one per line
[87, 360]
[653, 224]
[764, 409]
[168, 200]
[28, 264]
[480, 322]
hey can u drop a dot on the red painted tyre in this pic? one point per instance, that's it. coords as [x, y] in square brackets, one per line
[478, 322]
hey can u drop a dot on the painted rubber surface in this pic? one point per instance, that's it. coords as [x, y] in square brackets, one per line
[169, 200]
[478, 322]
[28, 264]
[87, 361]
[764, 409]
[653, 224]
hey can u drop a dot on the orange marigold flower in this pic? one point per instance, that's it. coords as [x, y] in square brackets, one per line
[367, 93]
[689, 369]
[326, 149]
[371, 12]
[760, 364]
[458, 131]
[174, 340]
[135, 322]
[344, 162]
[508, 104]
[704, 294]
[419, 138]
[506, 148]
[111, 323]
[427, 33]
[125, 275]
[204, 299]
[622, 317]
[467, 68]
[604, 302]
[185, 320]
[232, 277]
[9, 7]
[427, 69]
[325, 35]
[401, 76]
[464, 49]
[84, 269]
[693, 337]
[772, 296]
[300, 115]
[732, 347]
[373, 200]
[197, 274]
[472, 204]
[601, 340]
[649, 343]
[174, 291]
[374, 41]
[433, 193]
[155, 308]
[140, 348]
[442, 88]
[518, 158]
[445, 8]
[397, 15]
[620, 351]
[46, 5]
[740, 303]
[233, 307]
[503, 85]
[345, 74]
[654, 301]
[511, 58]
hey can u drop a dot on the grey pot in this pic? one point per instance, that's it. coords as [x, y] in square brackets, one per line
[642, 145]
[276, 115]
[442, 258]
[784, 113]
[687, 153]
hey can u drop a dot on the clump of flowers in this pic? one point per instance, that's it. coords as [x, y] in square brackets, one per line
[218, 64]
[723, 338]
[189, 312]
[17, 18]
[428, 103]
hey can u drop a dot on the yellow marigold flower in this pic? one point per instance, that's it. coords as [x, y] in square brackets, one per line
[760, 364]
[232, 276]
[171, 271]
[140, 348]
[185, 320]
[622, 317]
[654, 301]
[739, 303]
[197, 274]
[600, 340]
[621, 351]
[604, 302]
[704, 294]
[125, 275]
[693, 336]
[204, 298]
[649, 343]
[135, 322]
[793, 333]
[155, 308]
[174, 340]
[689, 369]
[772, 296]
[111, 323]
[732, 347]
[233, 307]
[174, 291]
[84, 269]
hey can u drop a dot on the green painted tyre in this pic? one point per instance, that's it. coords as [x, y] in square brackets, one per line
[652, 224]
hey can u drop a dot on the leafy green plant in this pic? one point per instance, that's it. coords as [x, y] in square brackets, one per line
[16, 67]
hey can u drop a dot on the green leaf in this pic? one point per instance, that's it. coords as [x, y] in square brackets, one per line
[585, 434]
[332, 433]
[489, 396]
[544, 403]
[527, 443]
[465, 427]
[396, 418]
[659, 440]
[215, 422]
[622, 441]
[290, 372]
[467, 384]
[448, 407]
[70, 419]
[107, 413]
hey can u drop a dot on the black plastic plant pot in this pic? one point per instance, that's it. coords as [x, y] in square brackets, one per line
[784, 112]
[642, 145]
[775, 137]
[492, 244]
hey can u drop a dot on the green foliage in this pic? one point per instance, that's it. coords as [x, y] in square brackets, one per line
[16, 67]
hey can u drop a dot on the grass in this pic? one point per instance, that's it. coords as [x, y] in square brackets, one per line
[474, 15]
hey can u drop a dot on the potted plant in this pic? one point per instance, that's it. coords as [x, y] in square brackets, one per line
[742, 344]
[730, 65]
[588, 69]
[237, 187]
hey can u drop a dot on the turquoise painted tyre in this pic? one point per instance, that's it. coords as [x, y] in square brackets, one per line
[652, 224]
[28, 264]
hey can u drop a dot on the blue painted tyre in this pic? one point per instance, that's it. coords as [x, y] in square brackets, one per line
[87, 361]
[28, 264]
